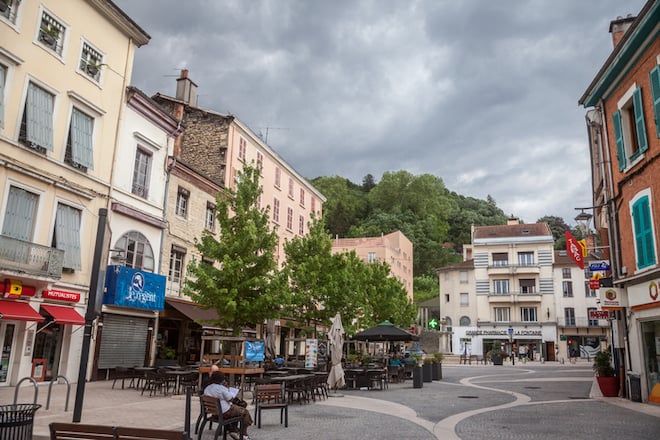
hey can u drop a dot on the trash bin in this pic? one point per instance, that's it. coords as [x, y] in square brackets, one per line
[417, 377]
[634, 386]
[17, 421]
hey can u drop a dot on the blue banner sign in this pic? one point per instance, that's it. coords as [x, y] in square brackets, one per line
[254, 351]
[598, 266]
[129, 287]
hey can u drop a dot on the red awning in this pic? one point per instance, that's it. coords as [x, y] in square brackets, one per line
[18, 311]
[64, 314]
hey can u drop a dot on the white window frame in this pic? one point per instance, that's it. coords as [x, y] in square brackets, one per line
[182, 202]
[626, 108]
[12, 13]
[142, 188]
[567, 289]
[58, 48]
[209, 216]
[525, 258]
[566, 273]
[501, 287]
[175, 271]
[462, 275]
[289, 219]
[465, 299]
[91, 62]
[502, 314]
[276, 210]
[529, 314]
[301, 225]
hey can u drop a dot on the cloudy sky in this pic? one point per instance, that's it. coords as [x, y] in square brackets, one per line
[482, 94]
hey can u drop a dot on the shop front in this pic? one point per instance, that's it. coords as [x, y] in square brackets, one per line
[180, 329]
[644, 301]
[125, 332]
[528, 342]
[37, 332]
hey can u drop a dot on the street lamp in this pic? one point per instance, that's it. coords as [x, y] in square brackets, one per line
[583, 219]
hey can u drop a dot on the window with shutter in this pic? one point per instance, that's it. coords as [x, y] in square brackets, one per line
[66, 235]
[643, 232]
[655, 92]
[141, 173]
[20, 214]
[3, 75]
[79, 148]
[37, 124]
[630, 129]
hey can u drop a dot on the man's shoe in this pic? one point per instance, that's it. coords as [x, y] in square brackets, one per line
[235, 436]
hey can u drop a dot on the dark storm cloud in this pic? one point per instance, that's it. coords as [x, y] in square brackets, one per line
[482, 94]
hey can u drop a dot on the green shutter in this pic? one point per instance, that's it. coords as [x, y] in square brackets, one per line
[639, 120]
[643, 231]
[618, 138]
[81, 139]
[39, 117]
[655, 92]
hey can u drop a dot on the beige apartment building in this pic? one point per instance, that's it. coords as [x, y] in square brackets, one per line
[64, 67]
[394, 249]
[213, 148]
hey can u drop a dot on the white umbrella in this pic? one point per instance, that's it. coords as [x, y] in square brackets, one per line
[336, 341]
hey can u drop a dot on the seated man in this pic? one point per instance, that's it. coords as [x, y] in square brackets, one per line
[218, 389]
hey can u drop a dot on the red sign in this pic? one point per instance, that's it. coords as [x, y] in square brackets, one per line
[599, 314]
[574, 250]
[594, 284]
[61, 295]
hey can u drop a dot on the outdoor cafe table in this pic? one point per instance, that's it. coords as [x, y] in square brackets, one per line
[232, 372]
[177, 374]
[363, 375]
[287, 379]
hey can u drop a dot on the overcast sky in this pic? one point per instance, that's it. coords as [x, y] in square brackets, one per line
[482, 94]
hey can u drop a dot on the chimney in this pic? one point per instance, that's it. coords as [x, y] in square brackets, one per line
[512, 221]
[186, 90]
[619, 27]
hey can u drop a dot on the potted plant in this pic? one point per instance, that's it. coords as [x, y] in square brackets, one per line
[607, 381]
[436, 371]
[427, 369]
[49, 35]
[92, 67]
[353, 359]
[496, 354]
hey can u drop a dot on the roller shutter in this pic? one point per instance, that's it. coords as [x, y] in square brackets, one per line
[123, 341]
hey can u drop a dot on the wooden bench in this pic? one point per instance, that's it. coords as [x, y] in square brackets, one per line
[271, 396]
[77, 431]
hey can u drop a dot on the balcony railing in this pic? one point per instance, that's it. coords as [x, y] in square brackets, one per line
[581, 321]
[31, 258]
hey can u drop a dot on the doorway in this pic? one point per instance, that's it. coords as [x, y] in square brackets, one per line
[48, 345]
[7, 338]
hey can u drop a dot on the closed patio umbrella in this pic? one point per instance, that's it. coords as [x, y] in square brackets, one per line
[336, 341]
[270, 338]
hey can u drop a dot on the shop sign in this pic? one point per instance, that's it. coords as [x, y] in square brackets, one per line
[599, 314]
[128, 287]
[611, 298]
[504, 332]
[61, 295]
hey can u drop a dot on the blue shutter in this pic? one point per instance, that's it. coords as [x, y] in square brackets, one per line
[67, 235]
[39, 117]
[639, 121]
[2, 96]
[618, 138]
[643, 233]
[655, 93]
[19, 214]
[81, 139]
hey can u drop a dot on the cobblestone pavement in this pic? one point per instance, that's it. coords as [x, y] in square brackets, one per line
[529, 401]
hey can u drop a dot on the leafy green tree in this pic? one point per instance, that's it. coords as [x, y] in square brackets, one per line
[386, 298]
[558, 227]
[313, 276]
[237, 275]
[346, 203]
[425, 287]
[368, 183]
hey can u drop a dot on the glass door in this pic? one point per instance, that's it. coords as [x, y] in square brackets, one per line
[7, 338]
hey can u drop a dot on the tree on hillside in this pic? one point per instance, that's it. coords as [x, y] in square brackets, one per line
[558, 227]
[346, 203]
[470, 211]
[425, 287]
[368, 183]
[237, 274]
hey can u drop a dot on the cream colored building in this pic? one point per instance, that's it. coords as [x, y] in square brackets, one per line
[63, 70]
[394, 249]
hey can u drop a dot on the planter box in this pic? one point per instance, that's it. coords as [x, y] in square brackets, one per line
[497, 359]
[436, 371]
[609, 386]
[427, 373]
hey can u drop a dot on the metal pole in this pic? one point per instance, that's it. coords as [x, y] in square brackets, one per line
[90, 315]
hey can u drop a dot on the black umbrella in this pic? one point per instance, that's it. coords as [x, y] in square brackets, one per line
[385, 331]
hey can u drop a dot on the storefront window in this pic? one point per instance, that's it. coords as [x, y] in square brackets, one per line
[7, 338]
[651, 341]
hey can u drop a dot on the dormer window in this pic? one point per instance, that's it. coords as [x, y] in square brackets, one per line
[51, 33]
[91, 61]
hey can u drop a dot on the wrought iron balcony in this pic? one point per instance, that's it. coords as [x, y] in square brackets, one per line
[35, 259]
